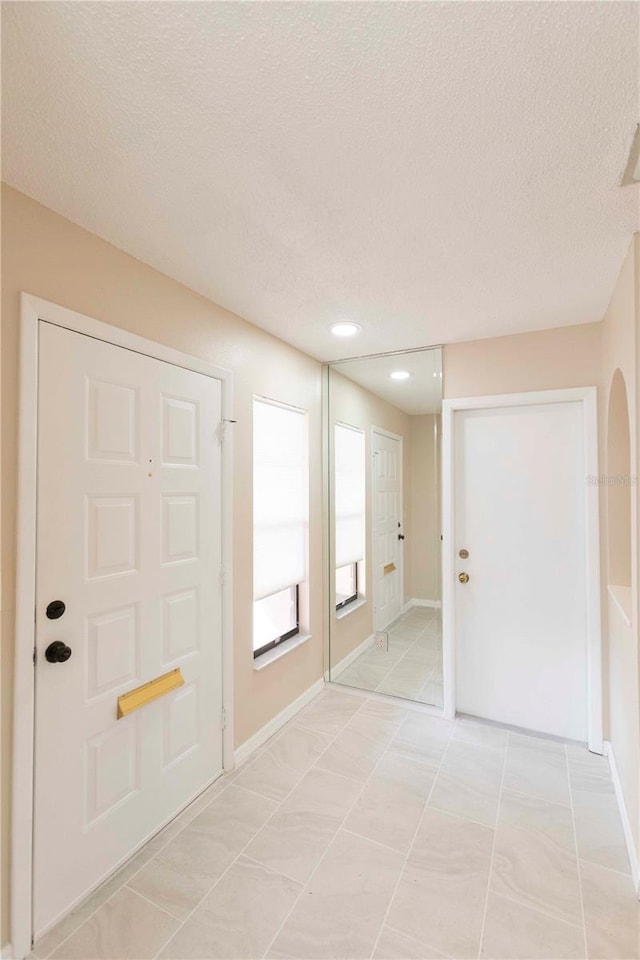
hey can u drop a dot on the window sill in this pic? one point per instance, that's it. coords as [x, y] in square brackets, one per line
[280, 651]
[621, 596]
[350, 607]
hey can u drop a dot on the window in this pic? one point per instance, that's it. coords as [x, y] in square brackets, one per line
[346, 585]
[280, 521]
[350, 511]
[275, 618]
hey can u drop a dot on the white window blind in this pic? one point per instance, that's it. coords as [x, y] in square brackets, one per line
[280, 498]
[349, 495]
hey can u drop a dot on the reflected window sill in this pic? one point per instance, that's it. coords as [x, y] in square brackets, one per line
[350, 607]
[270, 656]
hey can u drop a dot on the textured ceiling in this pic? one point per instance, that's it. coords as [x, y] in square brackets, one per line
[435, 171]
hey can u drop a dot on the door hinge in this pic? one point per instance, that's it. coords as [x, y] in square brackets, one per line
[35, 655]
[224, 718]
[223, 574]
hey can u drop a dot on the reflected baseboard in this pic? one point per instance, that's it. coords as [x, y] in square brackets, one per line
[350, 658]
[415, 602]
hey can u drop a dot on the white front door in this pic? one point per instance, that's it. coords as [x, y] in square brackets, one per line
[387, 528]
[521, 619]
[129, 539]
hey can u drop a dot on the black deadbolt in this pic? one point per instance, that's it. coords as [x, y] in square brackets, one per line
[57, 652]
[55, 609]
[401, 536]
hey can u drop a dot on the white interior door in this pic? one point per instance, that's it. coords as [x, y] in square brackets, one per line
[387, 528]
[129, 539]
[521, 619]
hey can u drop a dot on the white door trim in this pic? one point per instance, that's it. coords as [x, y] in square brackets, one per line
[393, 436]
[32, 311]
[588, 397]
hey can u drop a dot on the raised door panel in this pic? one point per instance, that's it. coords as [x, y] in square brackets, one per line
[129, 536]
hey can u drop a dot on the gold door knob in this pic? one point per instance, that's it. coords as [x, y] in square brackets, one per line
[463, 577]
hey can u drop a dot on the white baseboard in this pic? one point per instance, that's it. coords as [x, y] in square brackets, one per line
[414, 602]
[337, 668]
[264, 733]
[624, 816]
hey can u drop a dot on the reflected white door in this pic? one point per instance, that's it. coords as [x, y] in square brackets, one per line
[387, 528]
[521, 620]
[129, 539]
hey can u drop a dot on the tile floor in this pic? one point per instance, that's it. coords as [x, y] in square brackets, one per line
[411, 667]
[370, 829]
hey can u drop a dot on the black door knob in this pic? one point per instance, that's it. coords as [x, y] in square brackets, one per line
[57, 652]
[55, 609]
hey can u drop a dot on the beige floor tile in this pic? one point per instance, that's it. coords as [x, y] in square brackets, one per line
[599, 830]
[431, 694]
[393, 945]
[205, 798]
[411, 668]
[239, 918]
[534, 862]
[582, 761]
[531, 741]
[364, 676]
[386, 655]
[355, 752]
[422, 737]
[537, 768]
[484, 734]
[186, 869]
[442, 893]
[340, 912]
[126, 927]
[384, 711]
[47, 944]
[468, 782]
[422, 654]
[514, 932]
[381, 729]
[297, 835]
[277, 770]
[238, 856]
[390, 806]
[612, 914]
[408, 688]
[330, 712]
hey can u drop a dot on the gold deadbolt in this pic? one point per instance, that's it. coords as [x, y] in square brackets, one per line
[463, 577]
[463, 554]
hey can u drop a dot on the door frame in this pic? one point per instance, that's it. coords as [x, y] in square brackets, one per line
[33, 311]
[400, 439]
[587, 396]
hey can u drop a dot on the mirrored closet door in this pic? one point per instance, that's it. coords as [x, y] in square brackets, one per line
[384, 428]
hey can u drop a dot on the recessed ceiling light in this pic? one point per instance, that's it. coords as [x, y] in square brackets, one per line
[345, 329]
[400, 375]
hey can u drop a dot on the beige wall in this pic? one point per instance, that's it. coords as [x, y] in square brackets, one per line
[544, 360]
[620, 352]
[47, 256]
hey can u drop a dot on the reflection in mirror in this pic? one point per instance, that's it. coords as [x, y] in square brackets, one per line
[384, 464]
